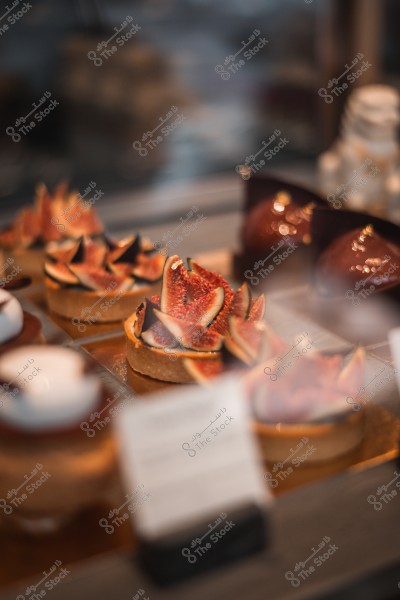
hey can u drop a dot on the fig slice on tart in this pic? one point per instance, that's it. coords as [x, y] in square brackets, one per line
[52, 217]
[126, 251]
[191, 335]
[85, 276]
[257, 308]
[97, 279]
[192, 324]
[148, 268]
[60, 273]
[203, 371]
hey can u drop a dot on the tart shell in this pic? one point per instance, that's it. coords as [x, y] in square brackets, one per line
[86, 306]
[331, 440]
[158, 363]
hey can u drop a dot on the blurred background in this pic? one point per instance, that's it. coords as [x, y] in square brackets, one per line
[140, 93]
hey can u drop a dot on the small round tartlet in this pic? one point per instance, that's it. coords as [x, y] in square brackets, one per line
[58, 216]
[16, 326]
[99, 281]
[312, 399]
[186, 331]
[50, 392]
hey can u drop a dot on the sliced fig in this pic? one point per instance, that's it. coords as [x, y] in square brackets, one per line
[220, 324]
[241, 302]
[121, 269]
[175, 284]
[65, 251]
[204, 369]
[351, 377]
[94, 253]
[27, 227]
[149, 268]
[80, 220]
[60, 273]
[237, 350]
[140, 315]
[149, 317]
[159, 337]
[44, 211]
[126, 252]
[191, 335]
[204, 310]
[250, 335]
[215, 279]
[198, 286]
[257, 309]
[147, 245]
[100, 280]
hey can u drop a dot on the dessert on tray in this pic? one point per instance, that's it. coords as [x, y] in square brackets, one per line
[277, 219]
[311, 396]
[57, 216]
[16, 326]
[198, 318]
[275, 236]
[100, 281]
[50, 468]
[360, 261]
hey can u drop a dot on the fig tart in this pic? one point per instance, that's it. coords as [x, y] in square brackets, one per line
[57, 216]
[313, 398]
[99, 281]
[184, 334]
[17, 327]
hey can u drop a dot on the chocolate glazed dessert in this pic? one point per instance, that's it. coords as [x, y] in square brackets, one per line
[356, 255]
[276, 232]
[356, 287]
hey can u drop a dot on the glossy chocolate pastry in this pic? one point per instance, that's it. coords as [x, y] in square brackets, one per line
[276, 220]
[361, 259]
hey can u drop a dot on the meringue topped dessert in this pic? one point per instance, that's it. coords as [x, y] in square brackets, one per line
[16, 326]
[182, 334]
[101, 280]
[360, 259]
[11, 317]
[276, 220]
[46, 393]
[52, 397]
[57, 216]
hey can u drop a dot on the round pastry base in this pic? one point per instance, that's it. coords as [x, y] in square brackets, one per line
[94, 307]
[158, 363]
[30, 334]
[315, 442]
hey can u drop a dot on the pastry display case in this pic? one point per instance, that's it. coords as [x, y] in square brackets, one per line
[199, 300]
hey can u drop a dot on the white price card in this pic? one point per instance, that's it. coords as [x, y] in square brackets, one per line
[193, 452]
